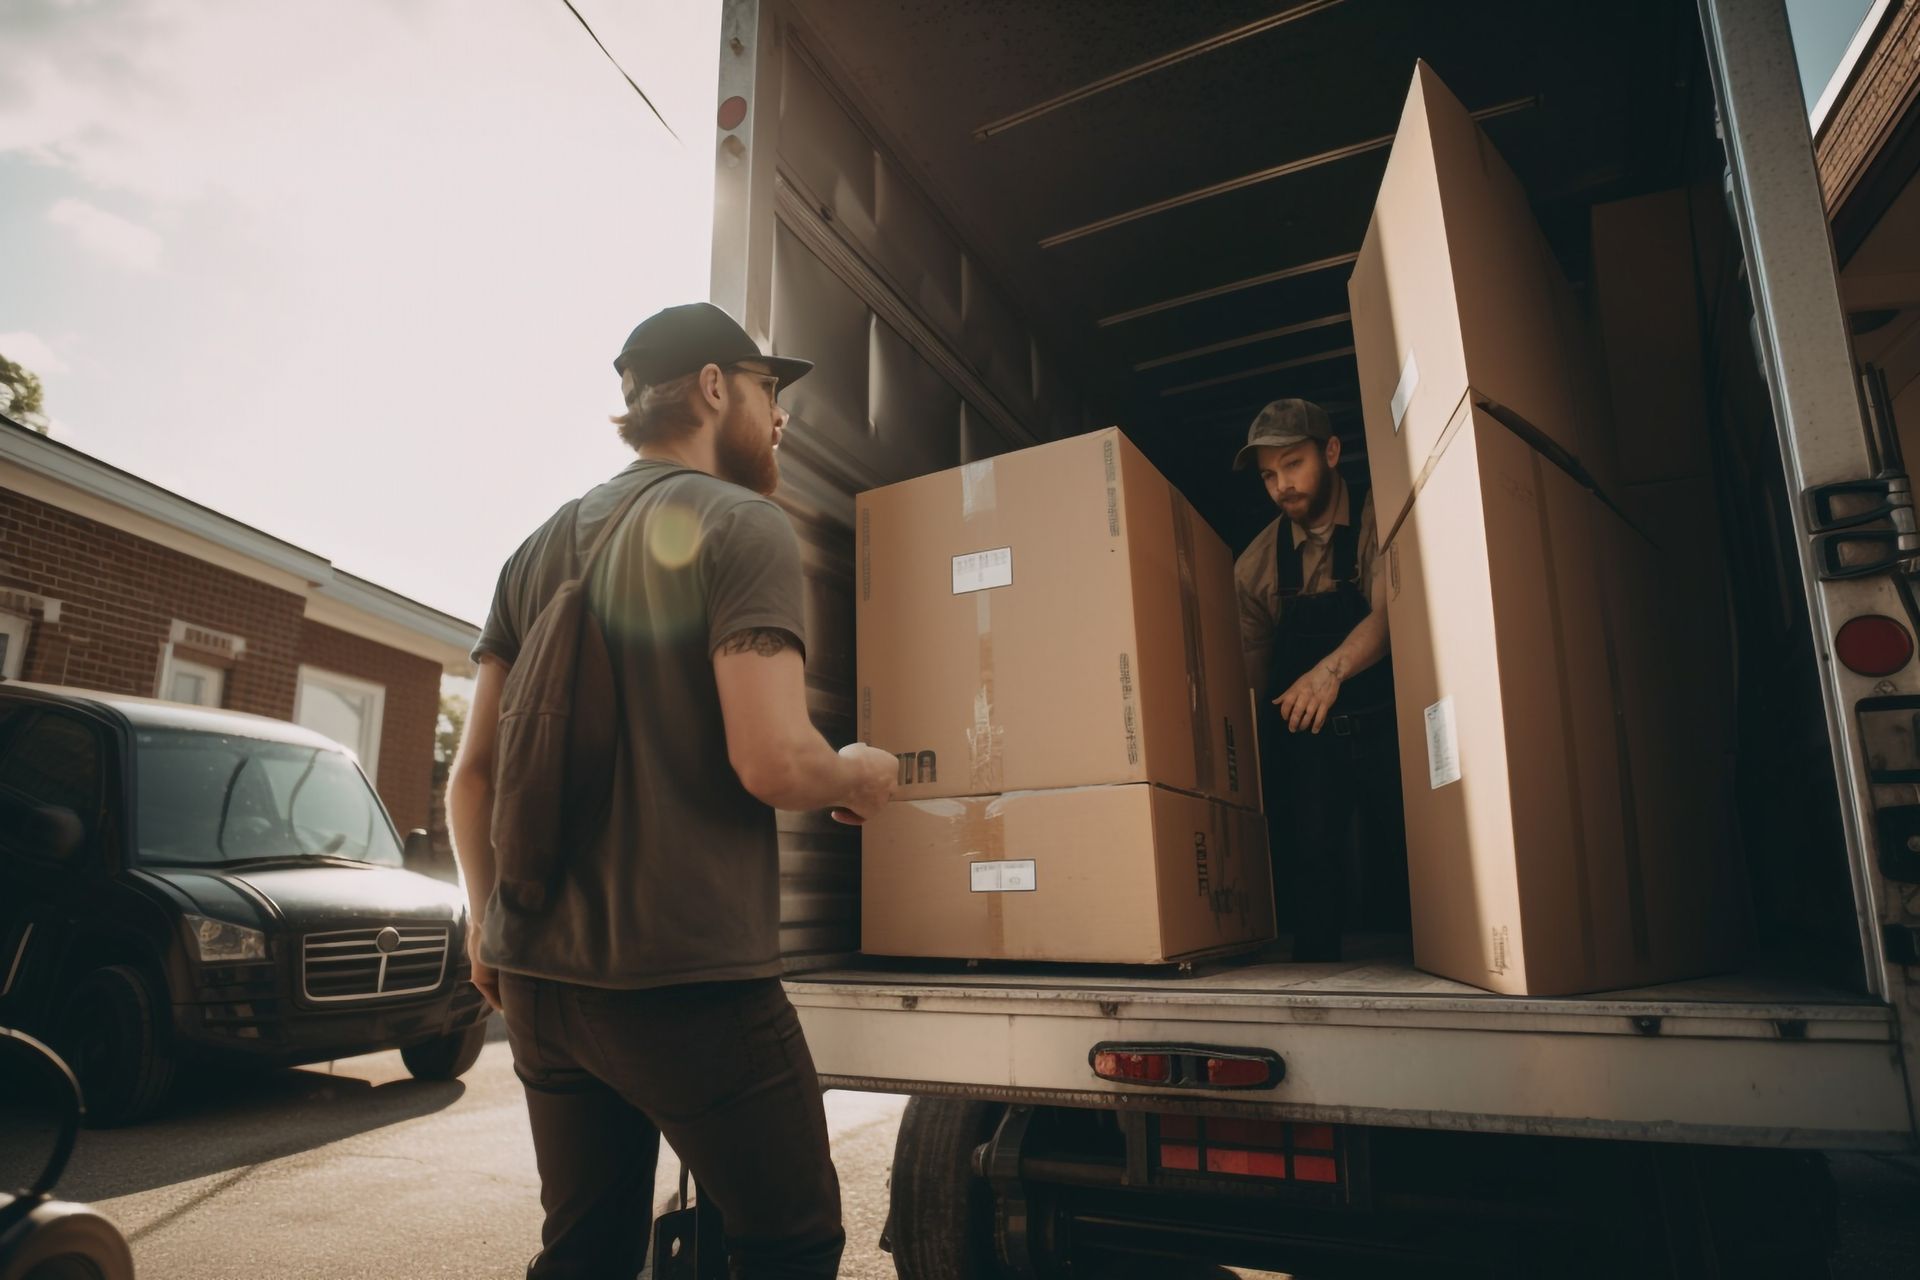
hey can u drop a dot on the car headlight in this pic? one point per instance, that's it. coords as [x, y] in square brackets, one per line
[218, 941]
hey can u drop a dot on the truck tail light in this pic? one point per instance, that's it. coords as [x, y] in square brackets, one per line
[1239, 1073]
[1873, 645]
[1187, 1066]
[1133, 1068]
[1274, 1150]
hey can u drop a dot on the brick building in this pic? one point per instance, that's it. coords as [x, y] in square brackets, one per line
[1867, 142]
[109, 582]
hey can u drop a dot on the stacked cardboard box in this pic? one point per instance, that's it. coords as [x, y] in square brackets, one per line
[1048, 641]
[1554, 783]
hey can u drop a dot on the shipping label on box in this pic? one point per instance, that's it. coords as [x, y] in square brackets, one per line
[1054, 617]
[1112, 874]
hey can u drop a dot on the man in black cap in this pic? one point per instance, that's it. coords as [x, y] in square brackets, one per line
[1313, 629]
[646, 999]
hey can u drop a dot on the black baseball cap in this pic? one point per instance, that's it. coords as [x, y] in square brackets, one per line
[685, 339]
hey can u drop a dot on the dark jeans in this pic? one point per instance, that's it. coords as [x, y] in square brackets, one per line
[1319, 782]
[722, 1070]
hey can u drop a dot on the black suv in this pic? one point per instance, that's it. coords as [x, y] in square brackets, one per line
[179, 883]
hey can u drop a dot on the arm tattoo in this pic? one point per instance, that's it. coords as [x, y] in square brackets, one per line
[765, 641]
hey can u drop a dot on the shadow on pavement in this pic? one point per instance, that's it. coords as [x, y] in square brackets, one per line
[220, 1120]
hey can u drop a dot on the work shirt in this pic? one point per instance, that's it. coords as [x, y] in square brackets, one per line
[1256, 577]
[683, 885]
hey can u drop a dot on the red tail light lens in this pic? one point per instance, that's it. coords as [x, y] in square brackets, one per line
[1187, 1066]
[1239, 1073]
[1133, 1068]
[1873, 645]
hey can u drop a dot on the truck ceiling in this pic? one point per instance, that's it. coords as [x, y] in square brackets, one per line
[1174, 193]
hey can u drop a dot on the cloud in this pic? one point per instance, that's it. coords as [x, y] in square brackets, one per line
[33, 351]
[107, 234]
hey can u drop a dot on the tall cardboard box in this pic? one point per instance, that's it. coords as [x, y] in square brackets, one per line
[1654, 257]
[1055, 617]
[1456, 288]
[1558, 838]
[1645, 308]
[1130, 874]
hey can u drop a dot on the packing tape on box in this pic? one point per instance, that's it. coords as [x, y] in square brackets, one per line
[1544, 444]
[977, 496]
[984, 737]
[1199, 707]
[980, 497]
[983, 838]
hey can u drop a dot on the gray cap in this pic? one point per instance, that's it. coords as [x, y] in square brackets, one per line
[1283, 423]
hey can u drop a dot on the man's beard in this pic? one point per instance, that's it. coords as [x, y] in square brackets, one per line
[1319, 501]
[744, 455]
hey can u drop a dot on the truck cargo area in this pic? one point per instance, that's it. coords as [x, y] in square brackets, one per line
[1148, 217]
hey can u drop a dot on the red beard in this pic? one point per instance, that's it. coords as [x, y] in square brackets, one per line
[743, 452]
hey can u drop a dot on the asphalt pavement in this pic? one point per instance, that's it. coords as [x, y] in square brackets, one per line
[354, 1169]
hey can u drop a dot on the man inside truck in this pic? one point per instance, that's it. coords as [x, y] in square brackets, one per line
[1313, 630]
[646, 999]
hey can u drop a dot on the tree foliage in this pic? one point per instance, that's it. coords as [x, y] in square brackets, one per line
[446, 735]
[22, 397]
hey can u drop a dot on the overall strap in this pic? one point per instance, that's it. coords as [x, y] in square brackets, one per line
[1346, 537]
[1287, 559]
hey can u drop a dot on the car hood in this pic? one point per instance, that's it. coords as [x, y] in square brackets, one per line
[310, 897]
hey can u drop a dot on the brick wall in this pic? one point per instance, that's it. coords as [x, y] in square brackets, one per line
[119, 596]
[1882, 89]
[406, 728]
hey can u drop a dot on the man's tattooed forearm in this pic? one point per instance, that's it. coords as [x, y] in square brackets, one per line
[765, 641]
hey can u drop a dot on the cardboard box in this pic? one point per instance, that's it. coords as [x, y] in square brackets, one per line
[1558, 838]
[1455, 288]
[1132, 874]
[1645, 307]
[1055, 617]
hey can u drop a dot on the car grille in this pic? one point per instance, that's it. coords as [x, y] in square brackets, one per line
[349, 964]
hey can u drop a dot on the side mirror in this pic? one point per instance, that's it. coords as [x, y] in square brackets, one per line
[45, 830]
[417, 853]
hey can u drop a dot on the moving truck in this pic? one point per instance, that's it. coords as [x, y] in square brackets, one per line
[1000, 223]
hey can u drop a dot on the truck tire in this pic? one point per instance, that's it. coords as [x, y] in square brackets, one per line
[1751, 1212]
[942, 1223]
[446, 1057]
[114, 1035]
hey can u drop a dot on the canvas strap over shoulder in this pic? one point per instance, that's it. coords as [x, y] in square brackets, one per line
[559, 731]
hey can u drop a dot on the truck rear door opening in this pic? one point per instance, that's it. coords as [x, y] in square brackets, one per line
[996, 225]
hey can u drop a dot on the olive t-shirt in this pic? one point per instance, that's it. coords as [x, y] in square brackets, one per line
[684, 883]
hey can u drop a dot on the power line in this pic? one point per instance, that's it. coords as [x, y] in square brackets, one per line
[623, 71]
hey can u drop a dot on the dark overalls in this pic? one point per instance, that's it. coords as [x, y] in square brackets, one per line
[1316, 781]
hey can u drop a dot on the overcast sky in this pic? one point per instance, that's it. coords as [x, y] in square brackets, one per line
[352, 272]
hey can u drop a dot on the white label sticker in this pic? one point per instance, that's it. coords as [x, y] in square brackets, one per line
[1004, 877]
[1403, 393]
[982, 570]
[1443, 745]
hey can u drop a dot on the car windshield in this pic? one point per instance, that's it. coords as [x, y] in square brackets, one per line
[213, 798]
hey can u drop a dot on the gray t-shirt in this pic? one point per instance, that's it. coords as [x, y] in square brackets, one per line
[684, 883]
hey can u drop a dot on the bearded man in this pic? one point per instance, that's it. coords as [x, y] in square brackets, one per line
[646, 999]
[1313, 631]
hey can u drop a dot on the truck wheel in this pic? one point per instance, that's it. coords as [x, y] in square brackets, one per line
[114, 1035]
[449, 1056]
[942, 1225]
[1739, 1212]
